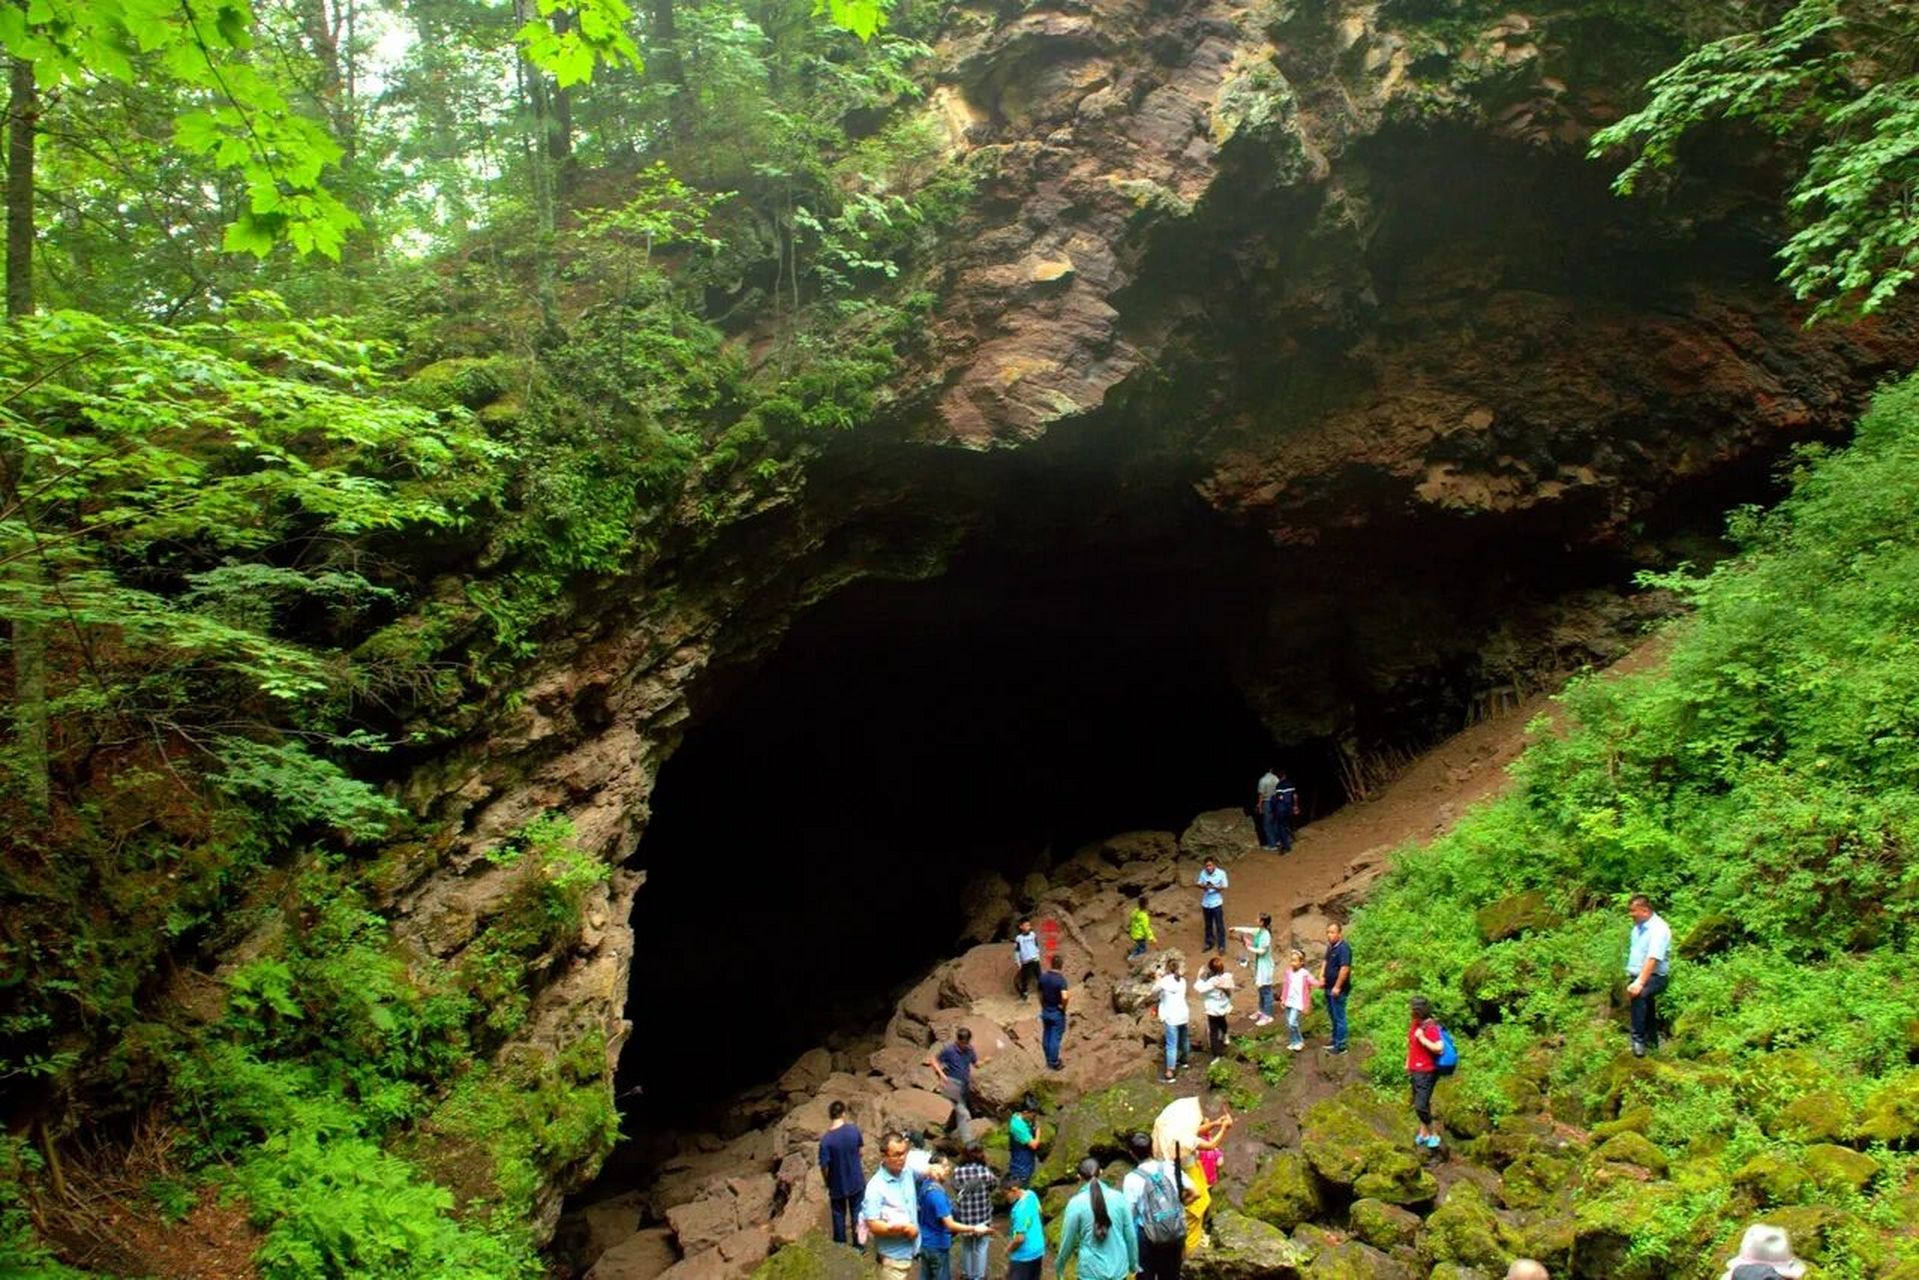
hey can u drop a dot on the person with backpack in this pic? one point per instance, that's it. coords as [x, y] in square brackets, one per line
[1156, 1195]
[1097, 1231]
[1425, 1042]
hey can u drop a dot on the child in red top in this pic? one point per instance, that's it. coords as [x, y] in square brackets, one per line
[1423, 1044]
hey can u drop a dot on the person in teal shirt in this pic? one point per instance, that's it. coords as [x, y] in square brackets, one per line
[1022, 1141]
[1098, 1231]
[1025, 1234]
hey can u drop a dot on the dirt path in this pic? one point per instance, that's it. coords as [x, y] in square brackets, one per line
[1434, 792]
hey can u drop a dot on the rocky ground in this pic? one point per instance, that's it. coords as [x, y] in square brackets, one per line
[1312, 1138]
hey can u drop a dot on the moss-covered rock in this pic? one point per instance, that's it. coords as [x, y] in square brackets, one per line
[814, 1257]
[1464, 1230]
[1283, 1193]
[1527, 912]
[1310, 1238]
[1244, 1248]
[1840, 1169]
[1534, 1180]
[1356, 1139]
[1351, 1260]
[1466, 1116]
[1606, 1228]
[1711, 934]
[462, 381]
[1814, 1228]
[1385, 1226]
[1632, 1120]
[1396, 1176]
[1453, 1271]
[1099, 1124]
[1631, 1148]
[1891, 1114]
[1824, 1115]
[1771, 1179]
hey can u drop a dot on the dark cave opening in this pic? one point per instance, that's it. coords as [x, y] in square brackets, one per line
[904, 736]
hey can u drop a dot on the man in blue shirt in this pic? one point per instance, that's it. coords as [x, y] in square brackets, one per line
[1212, 905]
[1338, 982]
[1648, 953]
[891, 1210]
[953, 1071]
[1053, 995]
[840, 1165]
[1025, 957]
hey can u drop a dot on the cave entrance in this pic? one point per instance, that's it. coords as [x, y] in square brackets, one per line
[810, 837]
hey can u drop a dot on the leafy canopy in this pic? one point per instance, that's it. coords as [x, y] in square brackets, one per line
[1836, 82]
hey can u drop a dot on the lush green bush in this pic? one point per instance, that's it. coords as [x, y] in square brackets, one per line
[1763, 787]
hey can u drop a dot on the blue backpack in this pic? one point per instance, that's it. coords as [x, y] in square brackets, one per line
[1448, 1060]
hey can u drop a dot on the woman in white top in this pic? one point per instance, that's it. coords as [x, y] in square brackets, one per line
[1174, 1015]
[1216, 985]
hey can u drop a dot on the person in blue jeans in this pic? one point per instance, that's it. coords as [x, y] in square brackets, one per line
[840, 1166]
[1053, 997]
[938, 1226]
[1648, 954]
[1022, 1142]
[1212, 905]
[1338, 981]
[1281, 810]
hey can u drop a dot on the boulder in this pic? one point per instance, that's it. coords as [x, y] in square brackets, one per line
[1352, 1260]
[589, 1231]
[1771, 1180]
[814, 1257]
[1354, 1139]
[644, 1255]
[1891, 1114]
[1710, 935]
[1632, 1120]
[808, 1072]
[1225, 834]
[1516, 914]
[1533, 1181]
[1100, 1124]
[911, 1109]
[922, 999]
[805, 1203]
[902, 1067]
[708, 1264]
[1839, 1169]
[1283, 1193]
[1464, 1231]
[1382, 1225]
[1824, 1115]
[746, 1247]
[986, 908]
[1244, 1248]
[1002, 1080]
[699, 1225]
[1632, 1148]
[981, 973]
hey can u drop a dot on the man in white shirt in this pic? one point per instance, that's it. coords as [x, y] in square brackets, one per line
[1648, 954]
[1174, 1016]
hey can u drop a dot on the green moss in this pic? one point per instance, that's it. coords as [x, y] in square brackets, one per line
[1631, 1148]
[1517, 914]
[1100, 1124]
[1245, 1248]
[1464, 1230]
[1771, 1179]
[1632, 1120]
[1891, 1114]
[1283, 1193]
[1840, 1169]
[813, 1257]
[1533, 1181]
[463, 381]
[1383, 1225]
[1821, 1116]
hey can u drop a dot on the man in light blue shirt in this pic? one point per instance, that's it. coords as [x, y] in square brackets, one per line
[1212, 905]
[1025, 958]
[1647, 956]
[891, 1210]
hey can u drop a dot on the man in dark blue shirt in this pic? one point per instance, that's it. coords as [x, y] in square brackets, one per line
[953, 1066]
[840, 1165]
[1338, 979]
[1052, 1011]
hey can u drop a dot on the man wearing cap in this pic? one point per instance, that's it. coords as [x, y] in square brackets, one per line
[1765, 1253]
[1647, 955]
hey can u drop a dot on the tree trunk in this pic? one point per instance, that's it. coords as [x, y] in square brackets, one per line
[663, 66]
[29, 638]
[559, 129]
[533, 84]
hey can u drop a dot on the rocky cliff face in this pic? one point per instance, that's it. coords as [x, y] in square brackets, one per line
[1326, 282]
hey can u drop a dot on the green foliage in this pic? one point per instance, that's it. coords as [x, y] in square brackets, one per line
[1766, 775]
[1826, 80]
